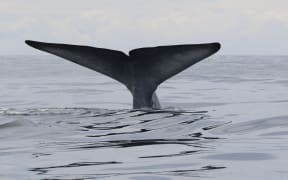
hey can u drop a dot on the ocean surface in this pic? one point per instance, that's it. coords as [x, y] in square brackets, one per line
[224, 118]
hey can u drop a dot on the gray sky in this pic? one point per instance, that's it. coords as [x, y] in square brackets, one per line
[242, 26]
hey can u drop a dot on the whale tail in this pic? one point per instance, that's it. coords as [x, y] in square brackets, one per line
[141, 71]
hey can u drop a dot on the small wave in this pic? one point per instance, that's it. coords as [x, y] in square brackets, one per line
[90, 139]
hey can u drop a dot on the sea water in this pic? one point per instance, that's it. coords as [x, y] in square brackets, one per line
[224, 118]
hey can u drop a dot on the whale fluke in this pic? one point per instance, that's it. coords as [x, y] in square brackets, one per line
[141, 71]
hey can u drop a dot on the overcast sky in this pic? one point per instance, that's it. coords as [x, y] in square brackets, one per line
[242, 26]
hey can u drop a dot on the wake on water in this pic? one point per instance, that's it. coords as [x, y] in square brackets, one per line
[63, 143]
[85, 143]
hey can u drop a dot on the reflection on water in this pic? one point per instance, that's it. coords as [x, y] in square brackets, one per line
[225, 118]
[108, 143]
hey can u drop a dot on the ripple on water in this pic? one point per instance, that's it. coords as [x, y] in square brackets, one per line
[68, 142]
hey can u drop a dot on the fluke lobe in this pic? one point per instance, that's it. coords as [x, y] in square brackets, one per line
[141, 71]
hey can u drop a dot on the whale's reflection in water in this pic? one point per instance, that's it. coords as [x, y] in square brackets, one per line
[92, 143]
[86, 143]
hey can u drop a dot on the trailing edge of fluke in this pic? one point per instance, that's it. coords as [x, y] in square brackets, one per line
[141, 71]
